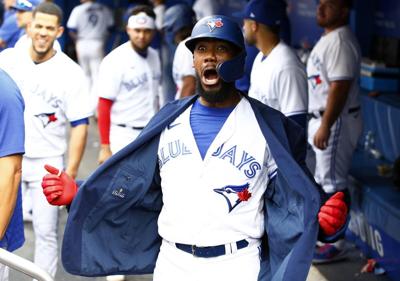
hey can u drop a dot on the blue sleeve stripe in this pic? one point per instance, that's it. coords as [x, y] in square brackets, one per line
[272, 175]
[80, 122]
[73, 30]
[340, 78]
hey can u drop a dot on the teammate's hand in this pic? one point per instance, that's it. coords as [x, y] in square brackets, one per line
[59, 188]
[332, 215]
[321, 137]
[104, 154]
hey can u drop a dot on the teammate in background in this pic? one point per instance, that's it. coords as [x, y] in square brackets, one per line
[205, 8]
[278, 78]
[333, 69]
[55, 92]
[128, 85]
[197, 185]
[24, 10]
[11, 150]
[88, 26]
[9, 30]
[178, 24]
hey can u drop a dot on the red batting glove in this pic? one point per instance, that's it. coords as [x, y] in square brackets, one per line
[332, 215]
[59, 188]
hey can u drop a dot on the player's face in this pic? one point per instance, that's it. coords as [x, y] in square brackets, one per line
[23, 18]
[331, 13]
[207, 55]
[140, 38]
[44, 30]
[248, 30]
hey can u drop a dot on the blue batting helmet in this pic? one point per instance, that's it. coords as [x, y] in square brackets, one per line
[177, 17]
[221, 28]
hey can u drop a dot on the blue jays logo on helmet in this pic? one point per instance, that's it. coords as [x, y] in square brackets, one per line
[215, 23]
[234, 194]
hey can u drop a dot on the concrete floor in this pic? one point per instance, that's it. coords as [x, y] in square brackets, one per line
[346, 270]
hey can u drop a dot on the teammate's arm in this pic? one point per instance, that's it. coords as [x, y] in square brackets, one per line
[188, 86]
[77, 143]
[337, 96]
[10, 176]
[73, 34]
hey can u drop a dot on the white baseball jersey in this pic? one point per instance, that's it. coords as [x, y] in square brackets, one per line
[132, 82]
[279, 80]
[91, 20]
[217, 200]
[336, 56]
[182, 66]
[204, 8]
[55, 91]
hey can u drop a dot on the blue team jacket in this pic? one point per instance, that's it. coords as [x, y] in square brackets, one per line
[112, 223]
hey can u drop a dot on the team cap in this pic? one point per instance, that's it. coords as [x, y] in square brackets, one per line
[25, 5]
[268, 12]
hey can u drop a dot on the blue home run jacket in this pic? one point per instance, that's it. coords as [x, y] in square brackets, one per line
[112, 223]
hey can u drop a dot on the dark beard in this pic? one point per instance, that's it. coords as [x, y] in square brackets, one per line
[215, 96]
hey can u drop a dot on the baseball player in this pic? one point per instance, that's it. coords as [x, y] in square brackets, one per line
[9, 30]
[333, 69]
[89, 25]
[55, 92]
[278, 78]
[11, 150]
[178, 23]
[128, 85]
[190, 195]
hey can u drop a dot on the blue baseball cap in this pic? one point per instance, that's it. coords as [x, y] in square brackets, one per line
[25, 5]
[268, 12]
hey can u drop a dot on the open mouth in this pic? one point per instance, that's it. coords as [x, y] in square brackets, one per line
[210, 76]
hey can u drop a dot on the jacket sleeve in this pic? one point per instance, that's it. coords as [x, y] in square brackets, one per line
[298, 144]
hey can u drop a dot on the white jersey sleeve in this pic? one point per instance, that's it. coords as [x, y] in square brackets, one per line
[341, 64]
[72, 22]
[292, 89]
[109, 79]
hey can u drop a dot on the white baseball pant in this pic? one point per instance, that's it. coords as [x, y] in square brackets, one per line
[44, 215]
[175, 264]
[4, 271]
[121, 137]
[333, 163]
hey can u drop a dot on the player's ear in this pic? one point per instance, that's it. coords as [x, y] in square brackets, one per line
[60, 31]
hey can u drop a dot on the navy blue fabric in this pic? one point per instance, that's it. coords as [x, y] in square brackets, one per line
[301, 120]
[80, 122]
[12, 137]
[112, 224]
[206, 122]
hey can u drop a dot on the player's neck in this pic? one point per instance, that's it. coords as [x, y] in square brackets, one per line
[333, 27]
[41, 57]
[267, 44]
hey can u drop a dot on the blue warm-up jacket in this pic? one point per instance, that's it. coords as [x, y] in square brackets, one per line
[112, 223]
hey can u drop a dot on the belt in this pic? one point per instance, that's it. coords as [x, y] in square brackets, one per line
[210, 252]
[321, 112]
[130, 127]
